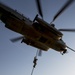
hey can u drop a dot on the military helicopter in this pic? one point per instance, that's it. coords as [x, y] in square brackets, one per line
[37, 33]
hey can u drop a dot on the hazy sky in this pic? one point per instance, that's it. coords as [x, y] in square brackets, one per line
[17, 58]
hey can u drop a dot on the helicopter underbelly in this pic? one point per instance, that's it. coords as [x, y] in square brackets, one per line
[42, 41]
[43, 38]
[38, 39]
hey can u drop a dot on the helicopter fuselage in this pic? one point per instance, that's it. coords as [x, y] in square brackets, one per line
[38, 34]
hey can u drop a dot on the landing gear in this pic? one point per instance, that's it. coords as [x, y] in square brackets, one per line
[22, 40]
[28, 42]
[63, 52]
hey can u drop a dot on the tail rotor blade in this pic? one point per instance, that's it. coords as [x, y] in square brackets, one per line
[63, 8]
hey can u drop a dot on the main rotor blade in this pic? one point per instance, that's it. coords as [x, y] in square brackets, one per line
[38, 3]
[66, 5]
[16, 39]
[67, 30]
[70, 49]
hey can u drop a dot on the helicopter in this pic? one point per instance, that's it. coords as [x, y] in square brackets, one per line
[37, 33]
